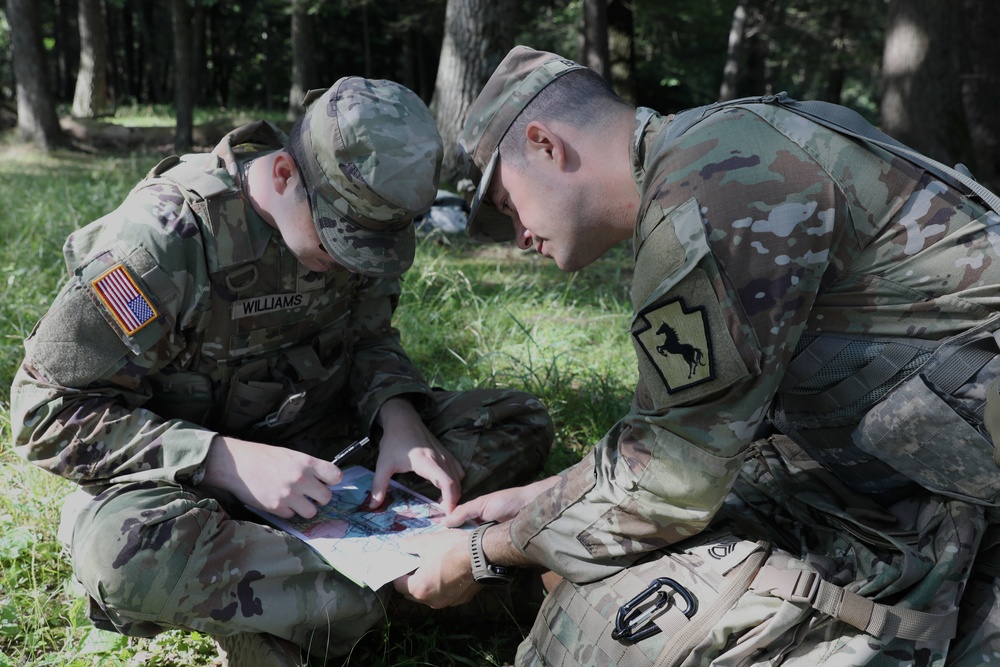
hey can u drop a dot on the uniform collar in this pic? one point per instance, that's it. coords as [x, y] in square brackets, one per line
[647, 123]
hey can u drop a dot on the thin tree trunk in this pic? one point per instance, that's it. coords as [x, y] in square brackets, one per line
[181, 20]
[734, 54]
[621, 48]
[837, 75]
[980, 82]
[91, 95]
[303, 49]
[595, 53]
[63, 51]
[198, 53]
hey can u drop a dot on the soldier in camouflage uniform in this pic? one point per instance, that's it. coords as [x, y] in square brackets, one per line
[221, 336]
[789, 284]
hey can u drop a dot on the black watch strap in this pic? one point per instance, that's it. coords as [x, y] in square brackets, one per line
[484, 572]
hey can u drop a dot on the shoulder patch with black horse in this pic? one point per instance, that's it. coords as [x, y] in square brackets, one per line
[676, 341]
[684, 347]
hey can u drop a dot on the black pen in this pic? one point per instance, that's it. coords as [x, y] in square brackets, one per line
[347, 451]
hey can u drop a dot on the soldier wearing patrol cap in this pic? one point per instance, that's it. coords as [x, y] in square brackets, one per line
[815, 322]
[223, 334]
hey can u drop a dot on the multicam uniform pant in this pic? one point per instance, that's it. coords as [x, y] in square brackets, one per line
[156, 556]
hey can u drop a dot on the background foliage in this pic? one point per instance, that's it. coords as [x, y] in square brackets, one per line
[680, 47]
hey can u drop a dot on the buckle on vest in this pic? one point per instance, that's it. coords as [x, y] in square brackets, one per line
[287, 411]
[631, 616]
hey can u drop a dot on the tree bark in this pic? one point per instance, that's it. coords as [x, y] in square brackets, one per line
[184, 106]
[921, 99]
[36, 112]
[734, 54]
[980, 81]
[477, 36]
[65, 50]
[91, 95]
[198, 53]
[595, 53]
[303, 49]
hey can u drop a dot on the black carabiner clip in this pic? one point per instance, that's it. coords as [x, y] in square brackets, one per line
[630, 617]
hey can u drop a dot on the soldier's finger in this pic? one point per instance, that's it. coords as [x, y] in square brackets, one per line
[327, 472]
[303, 506]
[469, 511]
[380, 484]
[450, 493]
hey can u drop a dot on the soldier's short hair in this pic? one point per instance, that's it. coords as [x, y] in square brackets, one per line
[523, 76]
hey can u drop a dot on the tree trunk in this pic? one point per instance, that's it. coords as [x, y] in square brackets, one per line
[477, 36]
[181, 20]
[198, 53]
[734, 54]
[921, 99]
[595, 53]
[621, 49]
[36, 112]
[63, 52]
[837, 75]
[91, 96]
[303, 48]
[980, 83]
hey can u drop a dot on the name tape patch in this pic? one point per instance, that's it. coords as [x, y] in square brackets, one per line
[124, 299]
[262, 305]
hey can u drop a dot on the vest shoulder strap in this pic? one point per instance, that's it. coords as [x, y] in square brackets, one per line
[850, 123]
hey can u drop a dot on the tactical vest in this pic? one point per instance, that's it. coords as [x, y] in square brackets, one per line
[886, 414]
[274, 345]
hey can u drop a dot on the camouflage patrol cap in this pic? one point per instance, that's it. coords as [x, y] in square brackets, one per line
[516, 81]
[370, 157]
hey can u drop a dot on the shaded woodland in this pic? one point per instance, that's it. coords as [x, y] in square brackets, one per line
[918, 68]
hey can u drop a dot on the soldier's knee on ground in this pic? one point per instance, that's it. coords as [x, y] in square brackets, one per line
[132, 552]
[502, 437]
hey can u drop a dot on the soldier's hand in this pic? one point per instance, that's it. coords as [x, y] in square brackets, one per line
[407, 446]
[500, 505]
[444, 578]
[274, 479]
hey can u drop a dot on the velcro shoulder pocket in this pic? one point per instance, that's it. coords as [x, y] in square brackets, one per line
[107, 313]
[683, 337]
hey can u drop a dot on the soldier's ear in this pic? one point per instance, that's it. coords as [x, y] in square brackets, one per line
[543, 142]
[284, 172]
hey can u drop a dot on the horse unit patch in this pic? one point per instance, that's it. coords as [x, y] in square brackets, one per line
[677, 342]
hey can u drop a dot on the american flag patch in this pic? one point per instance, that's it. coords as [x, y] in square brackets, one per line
[124, 299]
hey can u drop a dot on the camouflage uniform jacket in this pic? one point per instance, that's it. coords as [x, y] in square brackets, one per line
[185, 315]
[758, 229]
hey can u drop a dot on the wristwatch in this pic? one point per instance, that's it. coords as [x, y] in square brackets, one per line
[483, 571]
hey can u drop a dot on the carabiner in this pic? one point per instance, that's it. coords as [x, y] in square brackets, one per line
[630, 617]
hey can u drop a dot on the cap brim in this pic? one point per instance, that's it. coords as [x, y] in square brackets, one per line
[377, 254]
[485, 223]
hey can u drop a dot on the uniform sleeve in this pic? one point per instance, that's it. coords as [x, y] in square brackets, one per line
[729, 260]
[380, 368]
[134, 298]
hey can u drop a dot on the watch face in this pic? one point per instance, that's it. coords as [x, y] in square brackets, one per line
[494, 580]
[495, 575]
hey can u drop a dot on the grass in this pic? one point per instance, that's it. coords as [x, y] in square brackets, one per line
[470, 316]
